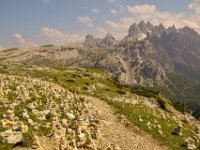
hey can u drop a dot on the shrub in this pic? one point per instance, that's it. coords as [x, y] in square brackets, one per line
[121, 92]
[162, 103]
[28, 139]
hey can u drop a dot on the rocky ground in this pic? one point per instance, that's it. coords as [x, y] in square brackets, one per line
[36, 114]
[42, 115]
[115, 133]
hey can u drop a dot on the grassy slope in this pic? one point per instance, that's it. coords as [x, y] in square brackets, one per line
[79, 80]
[182, 91]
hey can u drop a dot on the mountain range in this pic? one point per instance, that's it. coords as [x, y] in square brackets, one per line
[148, 56]
[104, 93]
[167, 49]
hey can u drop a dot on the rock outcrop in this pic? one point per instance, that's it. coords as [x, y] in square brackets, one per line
[108, 41]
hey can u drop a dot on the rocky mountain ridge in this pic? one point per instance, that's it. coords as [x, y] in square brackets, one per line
[145, 56]
[180, 48]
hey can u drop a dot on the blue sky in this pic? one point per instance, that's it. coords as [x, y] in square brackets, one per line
[27, 23]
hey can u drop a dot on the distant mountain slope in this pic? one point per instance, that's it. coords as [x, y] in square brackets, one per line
[147, 56]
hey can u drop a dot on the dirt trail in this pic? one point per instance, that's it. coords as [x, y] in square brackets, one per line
[114, 133]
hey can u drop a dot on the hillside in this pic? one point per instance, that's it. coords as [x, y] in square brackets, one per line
[155, 57]
[84, 108]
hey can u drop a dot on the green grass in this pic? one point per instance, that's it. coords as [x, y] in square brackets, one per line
[28, 139]
[44, 131]
[78, 80]
[95, 70]
[5, 146]
[133, 111]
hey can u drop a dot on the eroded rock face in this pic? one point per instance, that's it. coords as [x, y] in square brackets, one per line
[134, 59]
[90, 41]
[108, 41]
[134, 31]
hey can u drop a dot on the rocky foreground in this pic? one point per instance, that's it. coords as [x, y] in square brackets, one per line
[36, 114]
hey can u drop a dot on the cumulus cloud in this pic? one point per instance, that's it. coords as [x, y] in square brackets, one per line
[101, 30]
[95, 10]
[194, 7]
[150, 13]
[85, 20]
[142, 9]
[20, 41]
[58, 37]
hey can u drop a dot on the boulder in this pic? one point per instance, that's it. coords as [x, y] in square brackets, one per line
[7, 123]
[36, 143]
[189, 143]
[178, 130]
[11, 137]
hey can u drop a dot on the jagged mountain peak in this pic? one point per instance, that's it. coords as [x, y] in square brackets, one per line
[144, 27]
[134, 30]
[142, 23]
[187, 31]
[161, 26]
[172, 29]
[109, 36]
[150, 25]
[109, 40]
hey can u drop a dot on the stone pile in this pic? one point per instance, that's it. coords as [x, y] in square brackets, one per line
[44, 111]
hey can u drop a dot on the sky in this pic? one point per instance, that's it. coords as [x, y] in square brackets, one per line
[29, 23]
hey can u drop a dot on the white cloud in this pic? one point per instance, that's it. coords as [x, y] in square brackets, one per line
[20, 41]
[101, 30]
[114, 11]
[85, 20]
[95, 10]
[142, 9]
[117, 11]
[150, 13]
[58, 37]
[194, 7]
[112, 1]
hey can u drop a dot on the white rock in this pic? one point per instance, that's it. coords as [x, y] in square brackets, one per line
[24, 128]
[189, 143]
[178, 130]
[70, 116]
[159, 126]
[160, 132]
[11, 137]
